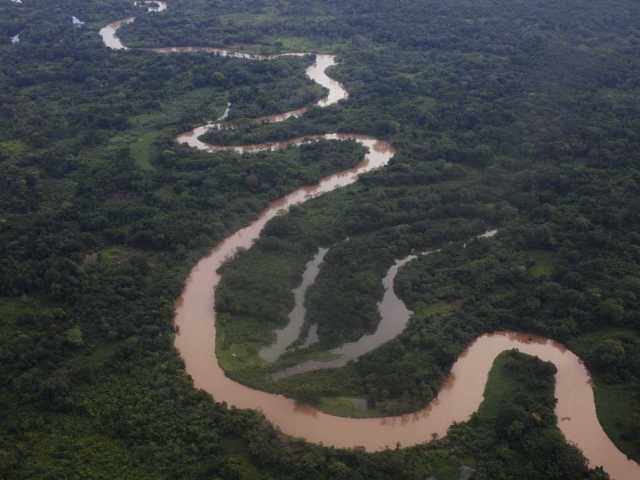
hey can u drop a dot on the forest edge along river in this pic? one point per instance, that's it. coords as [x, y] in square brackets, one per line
[394, 317]
[461, 394]
[291, 332]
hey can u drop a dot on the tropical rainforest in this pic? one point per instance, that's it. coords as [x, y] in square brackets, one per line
[523, 116]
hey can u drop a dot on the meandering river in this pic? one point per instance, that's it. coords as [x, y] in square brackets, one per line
[289, 334]
[459, 397]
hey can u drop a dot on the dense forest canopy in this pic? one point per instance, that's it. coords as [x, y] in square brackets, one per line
[522, 116]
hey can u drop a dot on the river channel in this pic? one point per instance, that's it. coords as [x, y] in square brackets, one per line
[461, 394]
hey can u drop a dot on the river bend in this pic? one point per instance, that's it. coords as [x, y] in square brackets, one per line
[461, 394]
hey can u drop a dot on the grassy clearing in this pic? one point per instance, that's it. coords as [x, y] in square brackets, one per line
[143, 150]
[297, 357]
[346, 407]
[436, 308]
[237, 351]
[241, 362]
[541, 263]
[115, 253]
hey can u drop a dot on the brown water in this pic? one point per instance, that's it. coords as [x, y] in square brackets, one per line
[459, 397]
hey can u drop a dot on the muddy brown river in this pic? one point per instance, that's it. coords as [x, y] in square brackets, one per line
[461, 394]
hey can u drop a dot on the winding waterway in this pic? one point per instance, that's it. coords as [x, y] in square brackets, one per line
[394, 317]
[461, 394]
[290, 333]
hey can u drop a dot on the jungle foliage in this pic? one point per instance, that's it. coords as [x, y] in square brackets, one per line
[518, 115]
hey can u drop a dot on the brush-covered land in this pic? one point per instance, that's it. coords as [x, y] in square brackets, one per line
[522, 116]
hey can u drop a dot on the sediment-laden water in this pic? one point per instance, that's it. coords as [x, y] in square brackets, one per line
[459, 397]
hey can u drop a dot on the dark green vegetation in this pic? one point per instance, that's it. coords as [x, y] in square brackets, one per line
[522, 115]
[613, 356]
[528, 125]
[514, 430]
